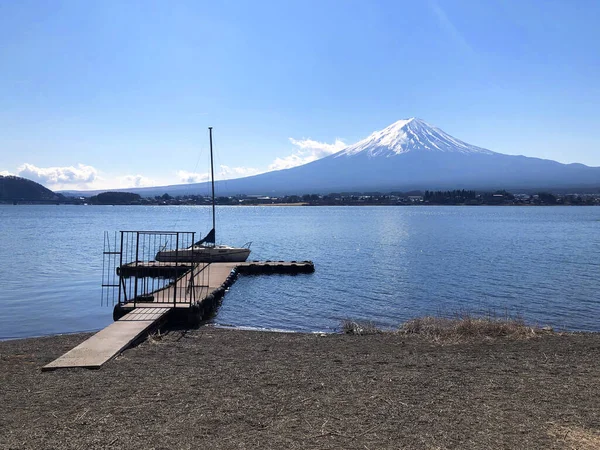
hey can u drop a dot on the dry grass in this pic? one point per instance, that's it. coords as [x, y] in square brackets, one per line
[464, 326]
[234, 389]
[467, 326]
[359, 328]
[576, 438]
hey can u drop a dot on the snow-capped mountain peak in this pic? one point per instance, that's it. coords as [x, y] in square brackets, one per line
[409, 135]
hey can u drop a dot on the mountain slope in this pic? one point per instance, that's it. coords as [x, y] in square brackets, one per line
[407, 155]
[14, 188]
[419, 170]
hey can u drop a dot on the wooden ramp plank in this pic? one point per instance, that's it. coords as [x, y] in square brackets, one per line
[109, 342]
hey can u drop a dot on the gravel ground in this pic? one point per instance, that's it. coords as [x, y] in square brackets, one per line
[217, 388]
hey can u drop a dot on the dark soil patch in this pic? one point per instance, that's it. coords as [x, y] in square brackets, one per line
[215, 388]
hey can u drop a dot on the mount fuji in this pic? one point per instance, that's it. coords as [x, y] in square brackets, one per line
[407, 155]
[410, 135]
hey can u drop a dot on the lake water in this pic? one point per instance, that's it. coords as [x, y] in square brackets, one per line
[385, 264]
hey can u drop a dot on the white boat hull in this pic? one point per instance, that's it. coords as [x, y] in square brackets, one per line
[218, 253]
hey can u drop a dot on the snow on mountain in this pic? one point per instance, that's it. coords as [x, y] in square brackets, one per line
[410, 135]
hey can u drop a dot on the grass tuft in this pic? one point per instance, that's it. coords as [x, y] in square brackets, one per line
[359, 328]
[155, 337]
[467, 326]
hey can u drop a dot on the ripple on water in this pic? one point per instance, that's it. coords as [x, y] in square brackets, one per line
[385, 264]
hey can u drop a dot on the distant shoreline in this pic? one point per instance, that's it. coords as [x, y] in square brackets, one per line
[297, 204]
[347, 198]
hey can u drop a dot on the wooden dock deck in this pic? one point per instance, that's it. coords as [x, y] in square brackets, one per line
[192, 288]
[199, 288]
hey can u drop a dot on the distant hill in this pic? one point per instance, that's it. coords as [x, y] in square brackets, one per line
[17, 189]
[115, 198]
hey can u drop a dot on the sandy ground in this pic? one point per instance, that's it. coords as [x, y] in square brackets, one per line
[216, 388]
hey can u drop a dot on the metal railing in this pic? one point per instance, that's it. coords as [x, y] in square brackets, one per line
[131, 273]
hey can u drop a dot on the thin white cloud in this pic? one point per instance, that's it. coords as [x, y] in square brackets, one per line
[84, 177]
[288, 162]
[227, 172]
[80, 177]
[322, 147]
[308, 150]
[224, 173]
[69, 175]
[129, 181]
[447, 25]
[191, 177]
[5, 173]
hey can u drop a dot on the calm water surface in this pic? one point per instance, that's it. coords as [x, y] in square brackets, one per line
[385, 264]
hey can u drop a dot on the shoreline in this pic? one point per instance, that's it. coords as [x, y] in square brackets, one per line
[231, 388]
[309, 204]
[210, 325]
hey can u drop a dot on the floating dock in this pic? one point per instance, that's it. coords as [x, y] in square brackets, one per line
[195, 292]
[201, 285]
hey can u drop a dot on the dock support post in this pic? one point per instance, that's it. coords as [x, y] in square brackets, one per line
[121, 281]
[137, 257]
[176, 267]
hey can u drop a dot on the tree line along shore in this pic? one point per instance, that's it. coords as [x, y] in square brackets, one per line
[455, 197]
[19, 190]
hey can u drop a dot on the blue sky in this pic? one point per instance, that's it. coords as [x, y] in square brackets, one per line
[120, 93]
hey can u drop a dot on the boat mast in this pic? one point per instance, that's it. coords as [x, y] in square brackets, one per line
[212, 179]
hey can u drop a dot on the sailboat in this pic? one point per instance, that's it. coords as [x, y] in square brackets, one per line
[206, 250]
